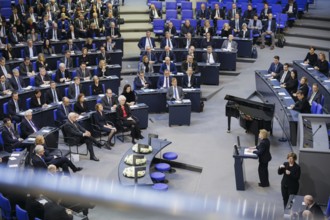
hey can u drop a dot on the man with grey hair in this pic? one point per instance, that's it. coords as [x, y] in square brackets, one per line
[62, 74]
[16, 81]
[30, 50]
[79, 135]
[28, 127]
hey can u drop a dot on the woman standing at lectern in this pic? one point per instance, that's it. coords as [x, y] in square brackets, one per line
[262, 150]
[291, 175]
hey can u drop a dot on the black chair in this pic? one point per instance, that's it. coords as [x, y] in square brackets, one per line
[97, 130]
[122, 130]
[72, 142]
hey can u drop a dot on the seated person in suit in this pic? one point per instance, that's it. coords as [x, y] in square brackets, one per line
[217, 14]
[175, 92]
[67, 60]
[291, 9]
[265, 11]
[30, 50]
[322, 64]
[189, 80]
[269, 28]
[82, 72]
[312, 211]
[11, 139]
[102, 69]
[37, 101]
[41, 160]
[202, 13]
[210, 57]
[80, 107]
[150, 54]
[16, 80]
[236, 24]
[169, 66]
[167, 53]
[89, 44]
[255, 25]
[284, 75]
[85, 58]
[74, 130]
[302, 105]
[70, 46]
[311, 57]
[207, 41]
[229, 44]
[170, 28]
[124, 115]
[244, 32]
[101, 121]
[26, 68]
[109, 101]
[114, 31]
[141, 82]
[292, 84]
[316, 95]
[109, 44]
[276, 67]
[63, 110]
[129, 94]
[233, 11]
[164, 81]
[97, 87]
[53, 95]
[42, 78]
[28, 127]
[42, 62]
[146, 66]
[226, 30]
[52, 209]
[303, 87]
[206, 29]
[188, 41]
[249, 13]
[47, 48]
[14, 107]
[190, 52]
[168, 41]
[75, 88]
[154, 13]
[62, 75]
[4, 69]
[5, 86]
[189, 63]
[187, 28]
[104, 55]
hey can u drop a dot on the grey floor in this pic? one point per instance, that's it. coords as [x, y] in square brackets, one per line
[205, 142]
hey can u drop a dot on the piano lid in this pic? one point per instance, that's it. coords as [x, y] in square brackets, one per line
[257, 110]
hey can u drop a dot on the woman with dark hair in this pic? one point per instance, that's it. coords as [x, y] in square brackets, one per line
[47, 47]
[207, 41]
[303, 87]
[79, 107]
[20, 28]
[103, 124]
[322, 64]
[292, 84]
[291, 174]
[129, 94]
[311, 57]
[97, 88]
[84, 57]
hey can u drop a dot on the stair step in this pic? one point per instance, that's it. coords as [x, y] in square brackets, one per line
[137, 27]
[306, 33]
[301, 42]
[132, 18]
[313, 24]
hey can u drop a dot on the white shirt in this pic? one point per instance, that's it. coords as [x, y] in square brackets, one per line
[166, 80]
[148, 43]
[31, 52]
[210, 58]
[290, 9]
[229, 46]
[155, 13]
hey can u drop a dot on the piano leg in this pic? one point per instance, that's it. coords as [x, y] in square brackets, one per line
[229, 122]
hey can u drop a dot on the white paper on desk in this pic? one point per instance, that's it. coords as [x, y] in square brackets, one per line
[289, 108]
[31, 139]
[180, 74]
[268, 75]
[310, 68]
[304, 64]
[272, 79]
[186, 101]
[327, 80]
[248, 151]
[88, 67]
[80, 117]
[101, 95]
[287, 97]
[188, 89]
[134, 106]
[14, 155]
[178, 102]
[276, 87]
[12, 158]
[46, 130]
[53, 55]
[44, 86]
[42, 201]
[281, 93]
[148, 90]
[13, 165]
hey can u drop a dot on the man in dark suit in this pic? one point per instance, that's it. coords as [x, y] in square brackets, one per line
[154, 13]
[170, 29]
[188, 41]
[62, 75]
[284, 75]
[42, 78]
[302, 105]
[28, 127]
[4, 68]
[210, 57]
[189, 80]
[275, 67]
[113, 31]
[236, 24]
[264, 12]
[109, 101]
[22, 8]
[168, 41]
[26, 68]
[81, 26]
[54, 33]
[17, 81]
[167, 53]
[269, 28]
[175, 92]
[72, 33]
[150, 54]
[189, 63]
[233, 12]
[53, 94]
[81, 135]
[70, 46]
[63, 110]
[5, 86]
[202, 13]
[30, 50]
[187, 28]
[316, 95]
[164, 81]
[67, 60]
[313, 210]
[54, 210]
[75, 88]
[14, 37]
[104, 55]
[98, 22]
[169, 66]
[14, 107]
[141, 82]
[82, 72]
[249, 13]
[15, 16]
[217, 14]
[146, 41]
[10, 138]
[36, 100]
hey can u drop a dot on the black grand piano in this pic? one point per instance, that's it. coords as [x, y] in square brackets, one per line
[252, 115]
